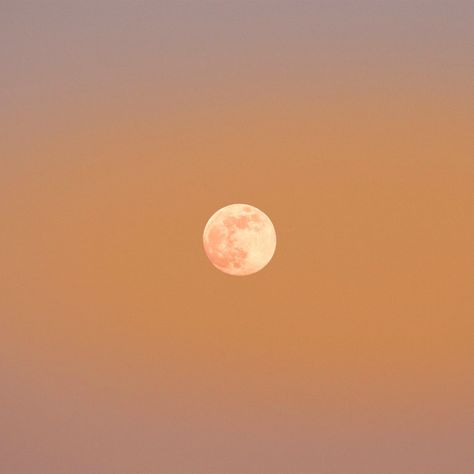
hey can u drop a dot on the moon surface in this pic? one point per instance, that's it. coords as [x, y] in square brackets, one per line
[239, 239]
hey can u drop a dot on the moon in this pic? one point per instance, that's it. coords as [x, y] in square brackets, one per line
[239, 239]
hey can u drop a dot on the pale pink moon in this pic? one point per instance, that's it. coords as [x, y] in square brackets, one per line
[239, 239]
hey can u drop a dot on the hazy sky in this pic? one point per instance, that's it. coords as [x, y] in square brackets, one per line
[124, 125]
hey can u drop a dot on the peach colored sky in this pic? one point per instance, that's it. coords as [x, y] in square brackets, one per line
[124, 126]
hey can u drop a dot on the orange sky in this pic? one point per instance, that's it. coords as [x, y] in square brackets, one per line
[125, 126]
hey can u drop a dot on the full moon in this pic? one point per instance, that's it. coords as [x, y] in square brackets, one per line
[239, 239]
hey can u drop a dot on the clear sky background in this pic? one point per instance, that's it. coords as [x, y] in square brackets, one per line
[124, 125]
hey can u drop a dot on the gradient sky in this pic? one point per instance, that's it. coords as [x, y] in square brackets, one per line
[124, 125]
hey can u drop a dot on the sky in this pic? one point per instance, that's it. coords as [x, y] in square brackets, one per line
[124, 125]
